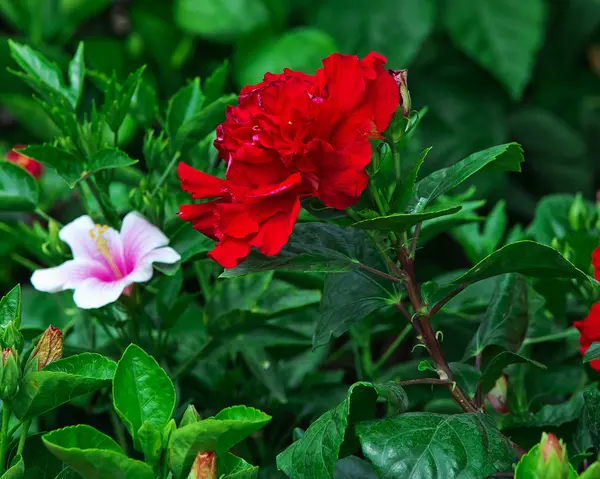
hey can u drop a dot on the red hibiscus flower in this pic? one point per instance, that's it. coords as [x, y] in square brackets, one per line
[596, 263]
[33, 167]
[589, 329]
[291, 136]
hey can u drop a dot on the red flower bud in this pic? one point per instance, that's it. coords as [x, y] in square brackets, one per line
[204, 467]
[551, 445]
[48, 349]
[401, 77]
[33, 167]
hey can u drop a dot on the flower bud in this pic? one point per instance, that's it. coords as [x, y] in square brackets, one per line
[48, 349]
[190, 416]
[204, 467]
[578, 217]
[29, 164]
[552, 463]
[11, 375]
[401, 77]
[12, 337]
[497, 397]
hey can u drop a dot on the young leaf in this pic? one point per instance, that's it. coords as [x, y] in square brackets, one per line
[401, 222]
[10, 307]
[406, 184]
[150, 442]
[142, 392]
[185, 104]
[501, 35]
[214, 86]
[465, 445]
[496, 366]
[506, 157]
[93, 454]
[107, 158]
[61, 381]
[18, 189]
[218, 433]
[77, 74]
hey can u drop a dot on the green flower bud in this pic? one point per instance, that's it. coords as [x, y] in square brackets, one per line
[578, 218]
[11, 375]
[190, 416]
[552, 463]
[12, 337]
[49, 348]
[204, 467]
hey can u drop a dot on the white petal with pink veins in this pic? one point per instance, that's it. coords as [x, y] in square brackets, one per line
[67, 276]
[139, 237]
[93, 293]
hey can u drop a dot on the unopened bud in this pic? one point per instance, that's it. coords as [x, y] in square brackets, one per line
[401, 77]
[49, 348]
[497, 397]
[552, 463]
[11, 375]
[578, 217]
[190, 416]
[204, 467]
[12, 337]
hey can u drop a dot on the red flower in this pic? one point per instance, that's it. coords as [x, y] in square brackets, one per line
[33, 167]
[291, 136]
[596, 262]
[589, 329]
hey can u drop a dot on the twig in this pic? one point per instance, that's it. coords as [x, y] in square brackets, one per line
[400, 307]
[165, 173]
[433, 381]
[381, 274]
[413, 241]
[441, 303]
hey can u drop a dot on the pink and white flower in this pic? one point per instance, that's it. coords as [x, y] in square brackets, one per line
[106, 262]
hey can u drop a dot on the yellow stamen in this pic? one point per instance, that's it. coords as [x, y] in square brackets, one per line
[102, 248]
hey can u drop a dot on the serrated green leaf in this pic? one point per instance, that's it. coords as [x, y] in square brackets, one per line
[61, 381]
[435, 445]
[591, 399]
[107, 158]
[10, 307]
[93, 454]
[68, 166]
[18, 189]
[142, 392]
[233, 467]
[495, 367]
[501, 35]
[218, 433]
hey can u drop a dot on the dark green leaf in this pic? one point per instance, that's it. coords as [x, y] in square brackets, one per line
[218, 433]
[10, 307]
[406, 185]
[203, 123]
[190, 243]
[60, 382]
[214, 86]
[142, 392]
[503, 36]
[591, 400]
[435, 445]
[506, 157]
[314, 455]
[401, 222]
[466, 376]
[592, 353]
[282, 296]
[93, 454]
[505, 321]
[352, 467]
[315, 247]
[41, 463]
[494, 369]
[233, 467]
[186, 103]
[526, 257]
[265, 369]
[239, 294]
[18, 189]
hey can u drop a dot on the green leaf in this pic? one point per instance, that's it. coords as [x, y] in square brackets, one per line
[591, 399]
[198, 126]
[77, 74]
[41, 463]
[467, 376]
[352, 467]
[233, 467]
[10, 307]
[60, 382]
[317, 247]
[495, 367]
[301, 49]
[142, 392]
[406, 24]
[505, 321]
[592, 472]
[93, 454]
[265, 369]
[592, 353]
[506, 157]
[221, 20]
[189, 243]
[186, 103]
[503, 36]
[526, 257]
[417, 444]
[107, 158]
[401, 222]
[18, 189]
[68, 166]
[528, 466]
[282, 296]
[406, 184]
[150, 441]
[314, 455]
[218, 433]
[16, 471]
[214, 86]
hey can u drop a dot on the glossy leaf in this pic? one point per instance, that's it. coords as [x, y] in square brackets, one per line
[406, 184]
[495, 367]
[526, 257]
[18, 189]
[10, 307]
[233, 467]
[93, 454]
[591, 399]
[41, 463]
[77, 74]
[400, 222]
[142, 392]
[503, 36]
[16, 471]
[592, 353]
[352, 467]
[60, 382]
[506, 157]
[416, 444]
[186, 103]
[107, 158]
[218, 433]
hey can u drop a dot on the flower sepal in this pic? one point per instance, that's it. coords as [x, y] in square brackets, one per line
[10, 381]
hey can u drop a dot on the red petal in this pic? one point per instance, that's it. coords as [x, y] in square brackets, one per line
[230, 252]
[199, 184]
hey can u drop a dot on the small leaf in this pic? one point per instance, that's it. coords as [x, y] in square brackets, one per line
[506, 157]
[415, 444]
[218, 434]
[77, 74]
[592, 353]
[93, 454]
[150, 442]
[233, 467]
[495, 367]
[401, 222]
[10, 307]
[405, 189]
[186, 103]
[18, 189]
[60, 382]
[214, 86]
[142, 392]
[107, 158]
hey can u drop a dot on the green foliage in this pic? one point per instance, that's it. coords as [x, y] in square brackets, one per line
[18, 189]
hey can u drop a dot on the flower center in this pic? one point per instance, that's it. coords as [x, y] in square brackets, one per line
[102, 247]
